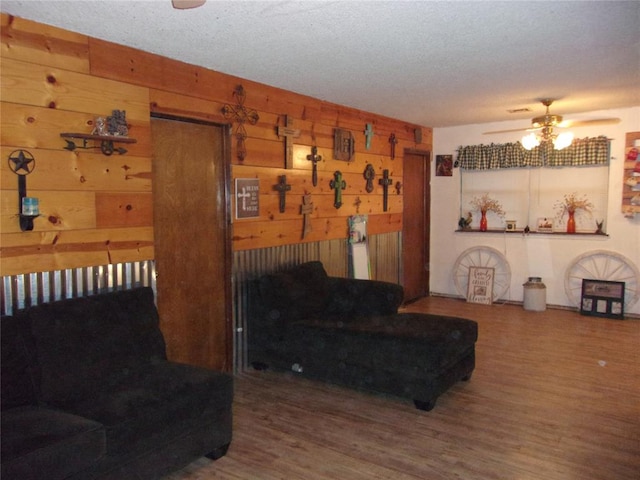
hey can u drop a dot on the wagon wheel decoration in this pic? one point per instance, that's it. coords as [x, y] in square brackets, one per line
[482, 257]
[602, 265]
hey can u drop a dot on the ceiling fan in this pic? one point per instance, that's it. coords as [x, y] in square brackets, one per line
[548, 121]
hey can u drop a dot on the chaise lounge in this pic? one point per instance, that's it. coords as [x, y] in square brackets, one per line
[349, 332]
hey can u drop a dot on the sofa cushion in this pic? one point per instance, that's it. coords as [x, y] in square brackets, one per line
[299, 292]
[152, 400]
[38, 443]
[17, 387]
[81, 343]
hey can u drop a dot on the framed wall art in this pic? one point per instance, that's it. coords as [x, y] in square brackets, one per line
[602, 298]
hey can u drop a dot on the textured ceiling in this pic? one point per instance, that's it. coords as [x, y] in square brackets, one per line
[432, 63]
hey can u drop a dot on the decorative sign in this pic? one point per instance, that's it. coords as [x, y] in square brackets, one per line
[247, 197]
[343, 145]
[602, 298]
[480, 287]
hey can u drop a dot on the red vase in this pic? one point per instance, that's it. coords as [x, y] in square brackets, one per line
[483, 222]
[571, 222]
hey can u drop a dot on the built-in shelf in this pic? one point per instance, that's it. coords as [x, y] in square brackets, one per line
[532, 232]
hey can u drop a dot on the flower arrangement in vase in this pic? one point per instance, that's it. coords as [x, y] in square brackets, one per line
[486, 204]
[570, 204]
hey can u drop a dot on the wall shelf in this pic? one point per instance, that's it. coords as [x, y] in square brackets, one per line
[532, 232]
[106, 142]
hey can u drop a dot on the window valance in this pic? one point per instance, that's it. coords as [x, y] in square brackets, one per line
[586, 151]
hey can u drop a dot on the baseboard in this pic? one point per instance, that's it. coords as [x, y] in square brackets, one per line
[627, 316]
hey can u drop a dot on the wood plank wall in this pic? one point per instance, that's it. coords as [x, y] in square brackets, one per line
[98, 210]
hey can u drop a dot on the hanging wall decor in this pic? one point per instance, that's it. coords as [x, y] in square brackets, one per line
[343, 145]
[306, 209]
[289, 133]
[337, 184]
[385, 181]
[393, 141]
[241, 115]
[314, 158]
[368, 133]
[282, 188]
[369, 175]
[22, 163]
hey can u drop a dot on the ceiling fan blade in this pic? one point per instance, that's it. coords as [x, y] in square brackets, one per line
[588, 123]
[184, 4]
[508, 131]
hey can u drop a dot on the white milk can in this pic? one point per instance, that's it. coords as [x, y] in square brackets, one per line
[535, 295]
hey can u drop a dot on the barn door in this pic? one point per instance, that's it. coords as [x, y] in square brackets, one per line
[192, 250]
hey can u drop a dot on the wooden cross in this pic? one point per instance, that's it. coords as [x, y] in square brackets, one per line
[315, 158]
[282, 189]
[368, 133]
[393, 141]
[369, 175]
[337, 184]
[240, 114]
[289, 133]
[385, 181]
[306, 209]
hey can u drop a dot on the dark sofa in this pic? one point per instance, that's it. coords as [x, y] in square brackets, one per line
[349, 332]
[88, 392]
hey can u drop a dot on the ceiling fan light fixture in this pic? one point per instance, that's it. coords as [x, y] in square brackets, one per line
[530, 141]
[563, 140]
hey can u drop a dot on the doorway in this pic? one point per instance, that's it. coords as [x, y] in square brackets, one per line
[192, 248]
[415, 224]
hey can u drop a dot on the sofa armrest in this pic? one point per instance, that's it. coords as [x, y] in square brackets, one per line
[352, 296]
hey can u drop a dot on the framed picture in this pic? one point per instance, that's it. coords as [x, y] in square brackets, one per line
[444, 165]
[602, 298]
[480, 286]
[545, 224]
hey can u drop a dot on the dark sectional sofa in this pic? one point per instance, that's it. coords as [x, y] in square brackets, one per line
[88, 392]
[349, 332]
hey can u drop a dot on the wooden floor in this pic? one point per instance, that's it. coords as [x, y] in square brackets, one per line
[555, 396]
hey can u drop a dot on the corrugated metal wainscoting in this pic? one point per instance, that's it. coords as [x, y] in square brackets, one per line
[248, 265]
[28, 289]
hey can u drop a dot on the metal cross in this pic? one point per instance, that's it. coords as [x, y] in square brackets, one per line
[282, 189]
[369, 175]
[315, 158]
[306, 209]
[337, 184]
[289, 133]
[368, 133]
[385, 181]
[240, 114]
[393, 141]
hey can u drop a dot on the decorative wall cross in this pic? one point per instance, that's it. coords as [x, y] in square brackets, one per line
[393, 141]
[368, 133]
[282, 189]
[385, 181]
[306, 209]
[369, 175]
[314, 158]
[289, 133]
[240, 114]
[337, 184]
